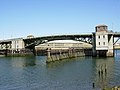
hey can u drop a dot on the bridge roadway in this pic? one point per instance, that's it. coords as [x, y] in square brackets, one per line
[116, 34]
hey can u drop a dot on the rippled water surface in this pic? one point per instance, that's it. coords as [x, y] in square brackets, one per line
[32, 73]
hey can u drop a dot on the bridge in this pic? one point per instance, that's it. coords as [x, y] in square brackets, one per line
[102, 41]
[34, 41]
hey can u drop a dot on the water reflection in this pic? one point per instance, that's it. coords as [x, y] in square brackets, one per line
[117, 53]
[63, 62]
[104, 71]
[23, 61]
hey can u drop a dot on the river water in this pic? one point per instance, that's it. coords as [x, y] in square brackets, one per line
[32, 73]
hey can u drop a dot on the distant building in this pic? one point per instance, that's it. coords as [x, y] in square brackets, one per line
[30, 36]
[63, 44]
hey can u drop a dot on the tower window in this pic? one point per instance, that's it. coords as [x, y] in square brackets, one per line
[99, 37]
[103, 43]
[99, 43]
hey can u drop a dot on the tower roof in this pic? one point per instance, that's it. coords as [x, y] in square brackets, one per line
[101, 25]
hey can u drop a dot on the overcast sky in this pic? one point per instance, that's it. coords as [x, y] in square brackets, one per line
[19, 18]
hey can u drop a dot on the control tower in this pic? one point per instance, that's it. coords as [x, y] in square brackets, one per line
[102, 41]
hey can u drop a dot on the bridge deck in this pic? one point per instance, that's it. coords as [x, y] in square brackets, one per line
[116, 34]
[61, 36]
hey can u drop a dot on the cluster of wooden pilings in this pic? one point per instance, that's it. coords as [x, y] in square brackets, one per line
[56, 55]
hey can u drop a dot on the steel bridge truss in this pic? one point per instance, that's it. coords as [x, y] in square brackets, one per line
[32, 42]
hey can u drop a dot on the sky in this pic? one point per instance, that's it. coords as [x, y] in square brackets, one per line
[20, 18]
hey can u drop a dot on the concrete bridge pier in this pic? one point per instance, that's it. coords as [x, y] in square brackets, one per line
[94, 52]
[48, 53]
[110, 51]
[34, 51]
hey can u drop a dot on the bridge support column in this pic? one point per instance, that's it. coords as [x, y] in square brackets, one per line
[48, 53]
[48, 56]
[94, 53]
[34, 51]
[110, 51]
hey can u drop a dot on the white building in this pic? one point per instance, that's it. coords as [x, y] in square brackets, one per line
[103, 41]
[17, 44]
